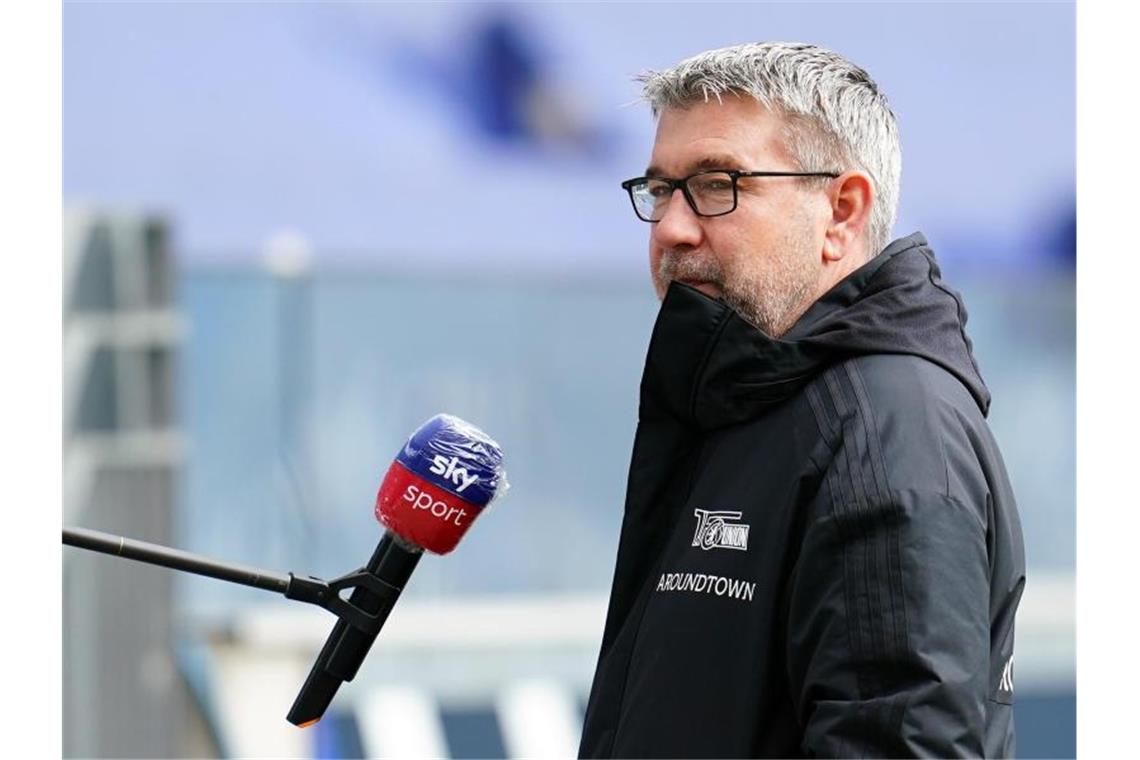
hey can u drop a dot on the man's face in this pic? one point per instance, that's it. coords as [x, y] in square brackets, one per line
[763, 259]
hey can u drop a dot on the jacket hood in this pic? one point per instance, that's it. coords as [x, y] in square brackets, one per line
[709, 368]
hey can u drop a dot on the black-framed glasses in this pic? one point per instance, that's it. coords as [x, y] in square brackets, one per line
[709, 193]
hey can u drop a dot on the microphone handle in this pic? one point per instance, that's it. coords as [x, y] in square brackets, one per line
[344, 650]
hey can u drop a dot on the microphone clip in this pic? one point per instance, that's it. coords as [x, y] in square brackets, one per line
[327, 594]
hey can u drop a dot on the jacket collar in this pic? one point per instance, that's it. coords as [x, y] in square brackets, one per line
[708, 368]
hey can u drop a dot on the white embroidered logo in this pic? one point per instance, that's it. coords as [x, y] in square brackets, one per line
[1007, 676]
[715, 531]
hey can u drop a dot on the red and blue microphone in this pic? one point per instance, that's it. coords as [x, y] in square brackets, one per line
[445, 475]
[441, 481]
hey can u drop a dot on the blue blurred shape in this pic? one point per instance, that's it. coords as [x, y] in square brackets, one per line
[504, 75]
[336, 736]
[1064, 248]
[473, 732]
[498, 79]
[1046, 725]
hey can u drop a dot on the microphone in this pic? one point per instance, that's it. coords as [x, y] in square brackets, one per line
[440, 482]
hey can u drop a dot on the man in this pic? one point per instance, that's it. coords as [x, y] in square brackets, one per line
[821, 554]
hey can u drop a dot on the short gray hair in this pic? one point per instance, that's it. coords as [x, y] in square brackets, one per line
[837, 117]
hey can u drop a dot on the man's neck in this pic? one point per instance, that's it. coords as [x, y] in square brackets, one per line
[831, 275]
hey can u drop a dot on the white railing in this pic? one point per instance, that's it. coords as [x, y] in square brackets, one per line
[528, 658]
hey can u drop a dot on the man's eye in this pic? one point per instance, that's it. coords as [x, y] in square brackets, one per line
[714, 185]
[659, 189]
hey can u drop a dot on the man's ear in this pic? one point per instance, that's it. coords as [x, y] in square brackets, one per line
[851, 196]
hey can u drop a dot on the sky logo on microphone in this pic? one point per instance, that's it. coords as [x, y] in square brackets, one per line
[441, 465]
[456, 457]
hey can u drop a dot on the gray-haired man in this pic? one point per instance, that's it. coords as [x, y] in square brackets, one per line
[821, 553]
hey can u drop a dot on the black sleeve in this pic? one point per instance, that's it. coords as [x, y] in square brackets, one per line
[888, 624]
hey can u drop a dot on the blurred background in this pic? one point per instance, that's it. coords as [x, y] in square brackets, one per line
[293, 232]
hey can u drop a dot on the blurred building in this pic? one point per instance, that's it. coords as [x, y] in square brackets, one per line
[123, 462]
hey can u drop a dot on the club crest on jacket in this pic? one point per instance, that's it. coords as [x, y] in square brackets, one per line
[718, 530]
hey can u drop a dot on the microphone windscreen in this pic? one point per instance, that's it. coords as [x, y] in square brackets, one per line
[442, 479]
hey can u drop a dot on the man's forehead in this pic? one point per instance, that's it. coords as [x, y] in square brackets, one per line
[733, 134]
[703, 162]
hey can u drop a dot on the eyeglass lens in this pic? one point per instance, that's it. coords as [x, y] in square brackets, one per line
[712, 192]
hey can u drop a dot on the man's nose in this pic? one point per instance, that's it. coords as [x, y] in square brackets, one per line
[680, 225]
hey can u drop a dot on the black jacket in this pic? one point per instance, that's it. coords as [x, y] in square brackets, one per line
[821, 554]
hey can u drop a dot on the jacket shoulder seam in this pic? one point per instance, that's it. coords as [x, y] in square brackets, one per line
[869, 405]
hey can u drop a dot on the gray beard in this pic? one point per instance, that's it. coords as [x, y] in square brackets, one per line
[770, 298]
